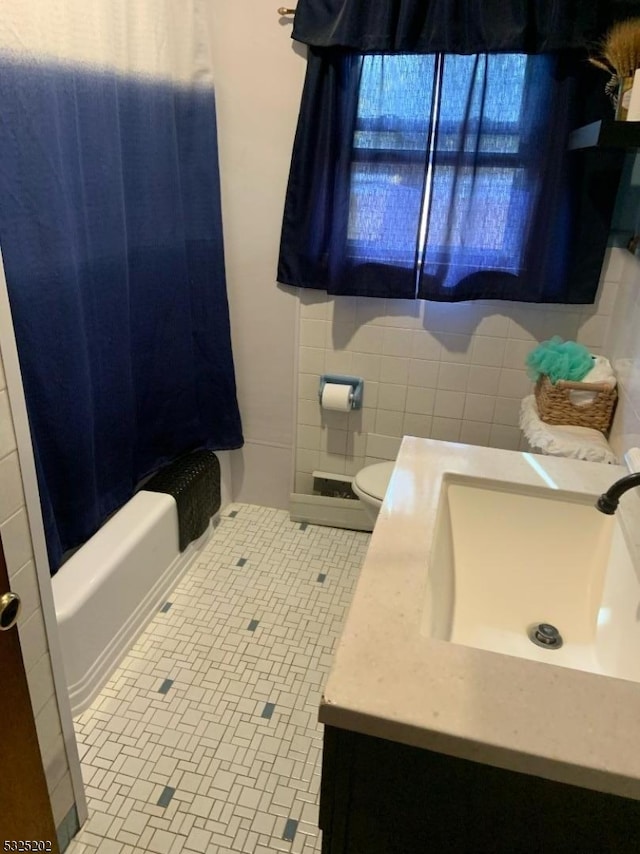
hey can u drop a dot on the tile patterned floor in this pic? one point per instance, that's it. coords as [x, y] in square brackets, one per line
[206, 738]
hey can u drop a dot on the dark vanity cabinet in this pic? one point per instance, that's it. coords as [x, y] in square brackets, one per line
[382, 797]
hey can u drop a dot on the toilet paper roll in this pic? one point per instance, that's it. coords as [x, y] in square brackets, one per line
[336, 396]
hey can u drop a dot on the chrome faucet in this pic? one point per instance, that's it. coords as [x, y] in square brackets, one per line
[608, 501]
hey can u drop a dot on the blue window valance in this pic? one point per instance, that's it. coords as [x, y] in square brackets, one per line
[457, 26]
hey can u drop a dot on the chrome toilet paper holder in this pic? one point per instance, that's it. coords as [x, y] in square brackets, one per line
[356, 384]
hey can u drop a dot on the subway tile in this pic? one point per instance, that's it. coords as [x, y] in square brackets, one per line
[394, 370]
[460, 318]
[354, 464]
[309, 412]
[343, 309]
[516, 352]
[40, 682]
[488, 351]
[397, 342]
[338, 362]
[606, 297]
[453, 377]
[483, 380]
[504, 437]
[446, 429]
[424, 345]
[449, 404]
[370, 310]
[423, 373]
[313, 333]
[368, 339]
[370, 391]
[62, 799]
[335, 463]
[311, 360]
[475, 433]
[527, 324]
[11, 494]
[356, 444]
[389, 423]
[333, 441]
[514, 384]
[479, 407]
[493, 323]
[307, 460]
[331, 420]
[364, 420]
[562, 323]
[366, 366]
[314, 304]
[593, 331]
[308, 385]
[507, 411]
[382, 447]
[613, 267]
[303, 483]
[339, 336]
[392, 396]
[309, 438]
[416, 425]
[25, 584]
[16, 541]
[420, 400]
[7, 436]
[403, 314]
[455, 348]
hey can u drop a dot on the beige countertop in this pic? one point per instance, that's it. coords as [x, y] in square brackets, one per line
[390, 679]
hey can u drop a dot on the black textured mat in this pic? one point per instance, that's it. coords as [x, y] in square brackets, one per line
[194, 482]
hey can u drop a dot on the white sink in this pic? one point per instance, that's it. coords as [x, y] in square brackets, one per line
[506, 558]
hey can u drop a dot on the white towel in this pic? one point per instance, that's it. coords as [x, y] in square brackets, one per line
[601, 372]
[578, 443]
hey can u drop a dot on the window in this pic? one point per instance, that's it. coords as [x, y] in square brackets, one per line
[446, 176]
[441, 162]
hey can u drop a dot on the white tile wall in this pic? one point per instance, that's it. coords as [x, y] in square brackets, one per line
[622, 345]
[452, 371]
[16, 538]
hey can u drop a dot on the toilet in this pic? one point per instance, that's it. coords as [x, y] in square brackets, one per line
[370, 485]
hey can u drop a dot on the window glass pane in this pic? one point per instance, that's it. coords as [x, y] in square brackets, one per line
[481, 184]
[387, 172]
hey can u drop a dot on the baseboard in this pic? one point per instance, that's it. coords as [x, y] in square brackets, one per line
[326, 510]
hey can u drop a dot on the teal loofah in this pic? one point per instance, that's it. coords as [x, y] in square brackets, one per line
[559, 360]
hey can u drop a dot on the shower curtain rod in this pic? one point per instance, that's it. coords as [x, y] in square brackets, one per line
[282, 11]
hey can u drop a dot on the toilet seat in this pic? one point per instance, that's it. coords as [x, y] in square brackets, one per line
[372, 481]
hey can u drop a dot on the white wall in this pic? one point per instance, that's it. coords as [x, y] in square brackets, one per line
[258, 78]
[623, 347]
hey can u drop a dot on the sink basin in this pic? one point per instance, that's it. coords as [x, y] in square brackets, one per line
[507, 558]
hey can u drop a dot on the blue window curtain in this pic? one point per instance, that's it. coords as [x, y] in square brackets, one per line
[445, 175]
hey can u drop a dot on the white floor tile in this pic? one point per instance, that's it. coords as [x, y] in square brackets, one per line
[206, 738]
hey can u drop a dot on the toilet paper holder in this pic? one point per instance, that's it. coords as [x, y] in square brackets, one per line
[356, 384]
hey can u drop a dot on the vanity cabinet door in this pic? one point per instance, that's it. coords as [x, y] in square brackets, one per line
[381, 797]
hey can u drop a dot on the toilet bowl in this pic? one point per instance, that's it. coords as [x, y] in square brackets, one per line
[370, 485]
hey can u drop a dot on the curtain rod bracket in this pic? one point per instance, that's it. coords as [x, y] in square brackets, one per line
[283, 10]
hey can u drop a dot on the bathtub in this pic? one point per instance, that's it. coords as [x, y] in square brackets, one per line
[108, 591]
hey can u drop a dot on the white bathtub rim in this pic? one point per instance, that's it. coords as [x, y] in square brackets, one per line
[83, 692]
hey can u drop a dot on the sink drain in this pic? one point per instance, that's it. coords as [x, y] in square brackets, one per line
[545, 635]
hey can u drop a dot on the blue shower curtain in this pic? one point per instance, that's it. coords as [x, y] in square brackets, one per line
[111, 236]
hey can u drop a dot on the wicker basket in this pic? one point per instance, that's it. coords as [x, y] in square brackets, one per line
[556, 407]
